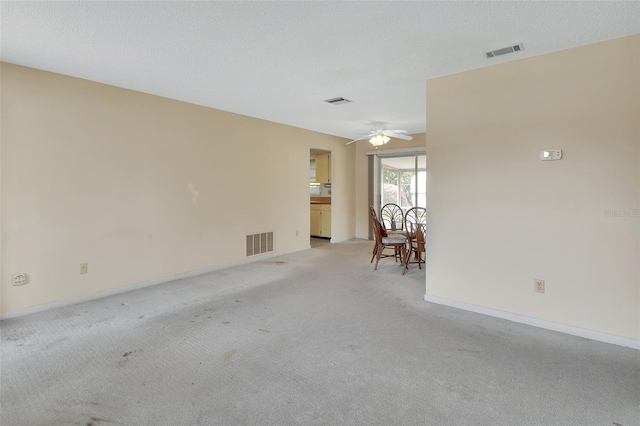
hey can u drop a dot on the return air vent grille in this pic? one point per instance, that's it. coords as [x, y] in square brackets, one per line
[504, 51]
[337, 101]
[259, 243]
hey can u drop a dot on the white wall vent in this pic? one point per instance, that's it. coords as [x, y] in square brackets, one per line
[337, 101]
[505, 50]
[259, 243]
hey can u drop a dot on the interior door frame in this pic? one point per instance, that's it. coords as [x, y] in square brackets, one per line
[331, 180]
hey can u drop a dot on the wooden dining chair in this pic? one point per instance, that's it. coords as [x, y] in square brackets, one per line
[392, 217]
[416, 236]
[374, 217]
[415, 215]
[415, 223]
[396, 242]
[385, 233]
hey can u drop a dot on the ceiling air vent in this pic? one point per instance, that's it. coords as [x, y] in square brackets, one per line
[505, 50]
[337, 101]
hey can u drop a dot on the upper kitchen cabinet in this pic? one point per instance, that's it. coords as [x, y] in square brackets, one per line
[320, 168]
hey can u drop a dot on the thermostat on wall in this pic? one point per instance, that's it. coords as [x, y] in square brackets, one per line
[550, 154]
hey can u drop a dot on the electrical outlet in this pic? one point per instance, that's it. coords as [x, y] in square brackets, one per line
[84, 268]
[296, 232]
[19, 279]
[538, 286]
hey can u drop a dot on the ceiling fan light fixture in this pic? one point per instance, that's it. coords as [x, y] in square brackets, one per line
[378, 140]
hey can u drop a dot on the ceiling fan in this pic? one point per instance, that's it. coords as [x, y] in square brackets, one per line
[382, 136]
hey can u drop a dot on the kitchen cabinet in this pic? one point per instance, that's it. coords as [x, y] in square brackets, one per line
[325, 228]
[316, 221]
[323, 167]
[320, 220]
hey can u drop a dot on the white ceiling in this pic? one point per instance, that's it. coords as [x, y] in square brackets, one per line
[279, 60]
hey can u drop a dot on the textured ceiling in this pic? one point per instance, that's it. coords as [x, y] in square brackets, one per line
[279, 60]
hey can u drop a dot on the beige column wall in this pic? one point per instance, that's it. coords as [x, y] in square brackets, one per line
[142, 187]
[499, 217]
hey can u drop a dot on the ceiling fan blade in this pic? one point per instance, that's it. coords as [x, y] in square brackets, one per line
[359, 139]
[395, 131]
[397, 136]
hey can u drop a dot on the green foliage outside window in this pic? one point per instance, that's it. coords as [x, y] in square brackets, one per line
[390, 187]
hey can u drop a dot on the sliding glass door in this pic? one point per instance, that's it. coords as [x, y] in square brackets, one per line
[403, 181]
[397, 176]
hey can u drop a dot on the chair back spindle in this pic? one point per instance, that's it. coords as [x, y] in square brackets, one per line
[392, 217]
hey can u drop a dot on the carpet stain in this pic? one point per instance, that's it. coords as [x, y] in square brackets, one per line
[265, 330]
[127, 354]
[468, 350]
[617, 424]
[225, 322]
[227, 357]
[104, 321]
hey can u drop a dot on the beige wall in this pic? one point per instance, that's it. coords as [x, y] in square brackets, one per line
[362, 178]
[143, 187]
[499, 217]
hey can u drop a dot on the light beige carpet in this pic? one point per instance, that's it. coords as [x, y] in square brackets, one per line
[312, 338]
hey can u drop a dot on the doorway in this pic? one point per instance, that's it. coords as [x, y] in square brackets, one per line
[397, 176]
[320, 217]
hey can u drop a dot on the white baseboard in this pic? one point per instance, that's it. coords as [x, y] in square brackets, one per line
[93, 296]
[537, 322]
[341, 240]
